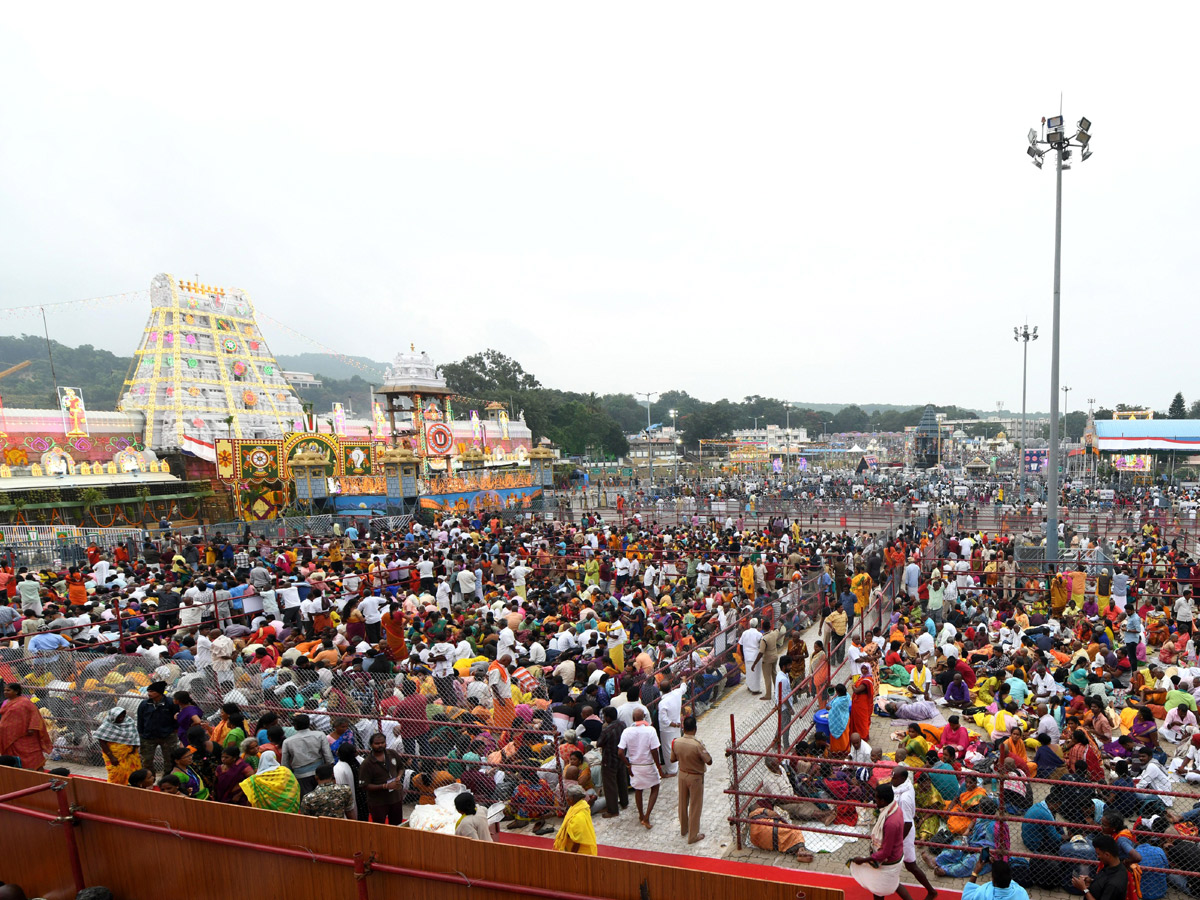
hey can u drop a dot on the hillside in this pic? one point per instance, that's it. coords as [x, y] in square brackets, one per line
[98, 373]
[591, 423]
[331, 366]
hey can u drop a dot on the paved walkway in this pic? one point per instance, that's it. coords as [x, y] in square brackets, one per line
[713, 729]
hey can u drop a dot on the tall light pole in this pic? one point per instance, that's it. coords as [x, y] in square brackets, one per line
[787, 430]
[1066, 437]
[1025, 335]
[1055, 139]
[675, 437]
[649, 440]
[1087, 456]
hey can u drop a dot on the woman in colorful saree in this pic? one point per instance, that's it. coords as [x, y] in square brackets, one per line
[839, 721]
[190, 782]
[273, 786]
[117, 737]
[233, 771]
[1144, 730]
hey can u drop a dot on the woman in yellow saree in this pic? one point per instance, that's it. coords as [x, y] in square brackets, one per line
[273, 786]
[117, 738]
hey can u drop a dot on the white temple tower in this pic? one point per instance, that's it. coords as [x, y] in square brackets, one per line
[202, 371]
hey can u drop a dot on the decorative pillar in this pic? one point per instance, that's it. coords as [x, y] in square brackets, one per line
[400, 473]
[541, 466]
[308, 470]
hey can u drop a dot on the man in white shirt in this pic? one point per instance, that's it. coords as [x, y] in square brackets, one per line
[1047, 724]
[925, 643]
[749, 642]
[506, 641]
[466, 582]
[371, 609]
[638, 749]
[443, 594]
[189, 613]
[203, 651]
[670, 721]
[1185, 609]
[906, 798]
[650, 580]
[1153, 778]
[289, 596]
[622, 567]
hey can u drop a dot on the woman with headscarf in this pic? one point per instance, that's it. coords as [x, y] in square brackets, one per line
[273, 786]
[839, 721]
[117, 738]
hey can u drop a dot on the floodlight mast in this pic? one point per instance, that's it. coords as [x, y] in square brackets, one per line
[1056, 140]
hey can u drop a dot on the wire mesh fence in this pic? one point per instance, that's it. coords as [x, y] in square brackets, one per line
[983, 808]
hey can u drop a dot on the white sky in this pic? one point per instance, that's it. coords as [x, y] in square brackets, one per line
[816, 202]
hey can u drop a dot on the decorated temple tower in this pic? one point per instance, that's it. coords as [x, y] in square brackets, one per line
[203, 371]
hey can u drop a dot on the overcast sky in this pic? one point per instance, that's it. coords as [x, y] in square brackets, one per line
[816, 202]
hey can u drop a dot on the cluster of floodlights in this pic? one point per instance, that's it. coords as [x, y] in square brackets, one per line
[1056, 139]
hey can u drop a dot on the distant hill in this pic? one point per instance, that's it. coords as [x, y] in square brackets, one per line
[332, 366]
[97, 373]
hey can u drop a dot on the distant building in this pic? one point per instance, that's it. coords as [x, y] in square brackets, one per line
[302, 379]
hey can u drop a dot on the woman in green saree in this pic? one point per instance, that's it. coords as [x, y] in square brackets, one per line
[273, 786]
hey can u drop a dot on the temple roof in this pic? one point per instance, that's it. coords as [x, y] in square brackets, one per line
[413, 372]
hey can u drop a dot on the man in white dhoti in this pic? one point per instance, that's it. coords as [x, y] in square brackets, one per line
[670, 722]
[749, 642]
[638, 749]
[723, 619]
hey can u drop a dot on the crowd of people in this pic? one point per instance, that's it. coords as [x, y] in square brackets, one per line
[518, 667]
[548, 671]
[1086, 675]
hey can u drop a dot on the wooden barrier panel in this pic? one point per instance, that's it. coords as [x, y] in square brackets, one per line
[138, 865]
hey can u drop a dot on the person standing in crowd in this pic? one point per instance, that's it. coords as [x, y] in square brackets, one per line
[382, 776]
[612, 766]
[328, 798]
[157, 726]
[577, 834]
[304, 751]
[639, 746]
[693, 760]
[23, 732]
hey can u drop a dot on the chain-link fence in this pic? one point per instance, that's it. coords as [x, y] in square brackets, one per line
[447, 728]
[986, 807]
[39, 547]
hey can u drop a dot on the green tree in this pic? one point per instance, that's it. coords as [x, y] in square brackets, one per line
[1105, 414]
[851, 418]
[1178, 407]
[1073, 425]
[482, 374]
[1194, 410]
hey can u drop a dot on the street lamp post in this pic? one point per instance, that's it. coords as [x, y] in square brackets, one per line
[676, 438]
[649, 439]
[1089, 459]
[1025, 335]
[1066, 436]
[787, 430]
[1055, 139]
